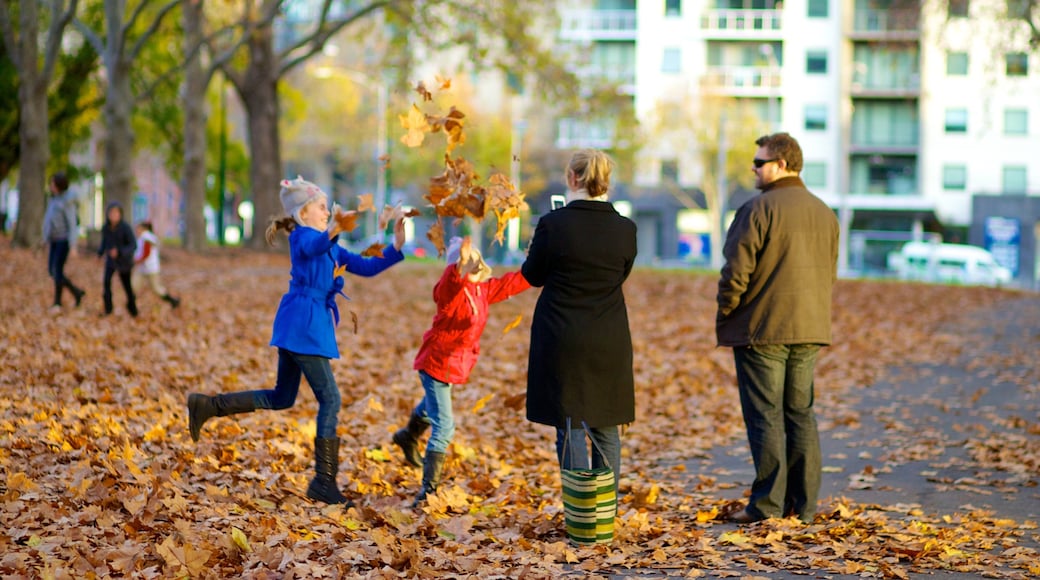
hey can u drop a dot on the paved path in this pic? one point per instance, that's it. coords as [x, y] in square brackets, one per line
[933, 435]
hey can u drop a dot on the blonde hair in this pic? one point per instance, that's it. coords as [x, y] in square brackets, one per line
[591, 169]
[286, 223]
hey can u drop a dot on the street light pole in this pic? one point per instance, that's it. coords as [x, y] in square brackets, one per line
[222, 163]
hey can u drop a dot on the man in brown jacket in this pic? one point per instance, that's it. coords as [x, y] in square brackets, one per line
[775, 311]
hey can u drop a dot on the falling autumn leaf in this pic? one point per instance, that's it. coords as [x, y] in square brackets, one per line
[374, 251]
[436, 235]
[416, 126]
[443, 83]
[385, 158]
[423, 92]
[483, 401]
[347, 220]
[339, 271]
[365, 202]
[513, 324]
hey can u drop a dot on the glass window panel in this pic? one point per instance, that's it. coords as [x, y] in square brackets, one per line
[956, 63]
[956, 120]
[1017, 64]
[673, 8]
[815, 117]
[886, 67]
[1016, 122]
[671, 63]
[816, 62]
[814, 174]
[885, 124]
[955, 177]
[818, 8]
[1014, 179]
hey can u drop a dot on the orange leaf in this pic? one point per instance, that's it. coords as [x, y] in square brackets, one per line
[339, 271]
[417, 126]
[374, 251]
[347, 220]
[513, 324]
[365, 202]
[443, 83]
[436, 235]
[423, 91]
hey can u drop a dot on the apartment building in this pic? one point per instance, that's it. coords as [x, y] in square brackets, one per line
[907, 111]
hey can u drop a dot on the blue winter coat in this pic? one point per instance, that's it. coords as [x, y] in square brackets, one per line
[307, 315]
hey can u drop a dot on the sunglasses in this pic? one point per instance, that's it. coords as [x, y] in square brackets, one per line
[760, 162]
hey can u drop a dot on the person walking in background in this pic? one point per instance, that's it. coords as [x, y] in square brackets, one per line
[774, 309]
[579, 370]
[117, 249]
[60, 232]
[147, 264]
[305, 326]
[449, 351]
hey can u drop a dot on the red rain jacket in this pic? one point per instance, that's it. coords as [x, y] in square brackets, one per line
[451, 346]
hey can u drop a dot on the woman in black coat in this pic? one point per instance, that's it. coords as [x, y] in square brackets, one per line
[580, 362]
[117, 249]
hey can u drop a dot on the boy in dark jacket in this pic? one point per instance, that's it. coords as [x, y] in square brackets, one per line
[117, 248]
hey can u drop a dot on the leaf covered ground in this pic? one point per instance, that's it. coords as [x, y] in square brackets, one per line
[101, 479]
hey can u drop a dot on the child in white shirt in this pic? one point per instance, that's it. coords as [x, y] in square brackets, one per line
[146, 263]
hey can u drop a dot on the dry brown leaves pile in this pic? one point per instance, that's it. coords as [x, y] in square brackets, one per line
[458, 192]
[101, 478]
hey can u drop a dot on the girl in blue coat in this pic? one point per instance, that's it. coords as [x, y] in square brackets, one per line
[304, 327]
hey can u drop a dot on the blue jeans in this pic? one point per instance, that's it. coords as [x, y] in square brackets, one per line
[776, 396]
[435, 409]
[56, 258]
[572, 450]
[291, 366]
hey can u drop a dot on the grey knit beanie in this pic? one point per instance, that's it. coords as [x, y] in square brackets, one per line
[296, 194]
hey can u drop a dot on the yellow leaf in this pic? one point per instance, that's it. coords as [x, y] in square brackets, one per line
[351, 524]
[513, 324]
[651, 496]
[706, 516]
[339, 271]
[417, 126]
[35, 541]
[377, 454]
[266, 504]
[483, 401]
[240, 539]
[375, 405]
[156, 433]
[735, 538]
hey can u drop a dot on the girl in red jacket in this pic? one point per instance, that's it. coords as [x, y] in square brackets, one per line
[449, 351]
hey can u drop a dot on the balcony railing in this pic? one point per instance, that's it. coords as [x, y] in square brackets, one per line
[574, 133]
[895, 85]
[865, 140]
[622, 75]
[599, 25]
[742, 23]
[873, 22]
[746, 80]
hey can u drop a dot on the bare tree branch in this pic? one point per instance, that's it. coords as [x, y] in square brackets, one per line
[59, 20]
[322, 33]
[156, 22]
[90, 36]
[129, 23]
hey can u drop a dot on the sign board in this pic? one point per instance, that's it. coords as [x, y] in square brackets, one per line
[1003, 239]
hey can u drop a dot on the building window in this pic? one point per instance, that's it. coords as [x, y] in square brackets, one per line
[818, 8]
[671, 62]
[1016, 122]
[1014, 179]
[673, 8]
[956, 120]
[669, 171]
[815, 117]
[957, 8]
[955, 177]
[814, 174]
[956, 63]
[816, 62]
[1017, 64]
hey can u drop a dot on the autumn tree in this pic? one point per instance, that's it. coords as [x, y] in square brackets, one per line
[34, 77]
[501, 35]
[718, 135]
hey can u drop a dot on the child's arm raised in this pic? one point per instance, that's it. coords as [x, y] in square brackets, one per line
[506, 286]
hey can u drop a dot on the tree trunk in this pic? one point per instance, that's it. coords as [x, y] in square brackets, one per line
[259, 95]
[32, 132]
[119, 139]
[195, 81]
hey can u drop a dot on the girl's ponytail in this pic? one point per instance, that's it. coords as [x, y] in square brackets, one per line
[286, 223]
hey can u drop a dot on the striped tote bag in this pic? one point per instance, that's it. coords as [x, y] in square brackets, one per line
[589, 502]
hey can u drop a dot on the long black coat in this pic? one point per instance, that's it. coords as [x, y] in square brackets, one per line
[121, 237]
[580, 361]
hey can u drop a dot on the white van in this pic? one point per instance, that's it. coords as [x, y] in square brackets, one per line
[948, 263]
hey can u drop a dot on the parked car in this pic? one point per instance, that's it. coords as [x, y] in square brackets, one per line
[948, 263]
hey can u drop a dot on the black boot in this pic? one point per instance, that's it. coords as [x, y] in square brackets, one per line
[433, 466]
[323, 487]
[201, 408]
[408, 439]
[174, 302]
